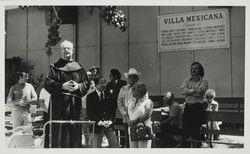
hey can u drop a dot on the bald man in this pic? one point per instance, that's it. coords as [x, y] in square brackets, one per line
[173, 124]
[67, 82]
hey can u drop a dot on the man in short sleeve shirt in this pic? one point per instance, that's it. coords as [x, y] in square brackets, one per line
[173, 124]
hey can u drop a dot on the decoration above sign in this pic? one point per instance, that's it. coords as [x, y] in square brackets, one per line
[194, 30]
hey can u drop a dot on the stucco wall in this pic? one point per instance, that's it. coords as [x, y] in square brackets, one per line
[137, 47]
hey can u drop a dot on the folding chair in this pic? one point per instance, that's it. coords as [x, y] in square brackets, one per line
[155, 117]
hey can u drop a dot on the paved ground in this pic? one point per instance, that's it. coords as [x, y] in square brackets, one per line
[228, 139]
[223, 138]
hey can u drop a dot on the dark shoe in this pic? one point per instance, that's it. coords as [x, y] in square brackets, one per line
[216, 137]
[120, 146]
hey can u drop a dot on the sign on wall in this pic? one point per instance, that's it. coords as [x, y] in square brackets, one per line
[194, 30]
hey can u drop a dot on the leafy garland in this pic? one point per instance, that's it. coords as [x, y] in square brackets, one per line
[55, 23]
[111, 15]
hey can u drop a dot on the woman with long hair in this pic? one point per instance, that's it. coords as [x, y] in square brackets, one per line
[139, 112]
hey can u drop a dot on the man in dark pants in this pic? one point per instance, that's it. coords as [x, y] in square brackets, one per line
[101, 110]
[194, 89]
[113, 88]
[172, 125]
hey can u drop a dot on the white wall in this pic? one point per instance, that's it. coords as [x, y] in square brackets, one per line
[137, 47]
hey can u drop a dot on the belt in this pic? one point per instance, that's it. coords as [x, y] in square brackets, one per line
[69, 94]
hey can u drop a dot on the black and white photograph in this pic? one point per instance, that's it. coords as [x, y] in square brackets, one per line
[124, 76]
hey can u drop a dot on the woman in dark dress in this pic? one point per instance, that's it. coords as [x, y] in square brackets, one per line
[67, 82]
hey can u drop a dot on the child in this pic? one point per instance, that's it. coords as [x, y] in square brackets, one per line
[212, 105]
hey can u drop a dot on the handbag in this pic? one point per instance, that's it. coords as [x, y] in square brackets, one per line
[140, 132]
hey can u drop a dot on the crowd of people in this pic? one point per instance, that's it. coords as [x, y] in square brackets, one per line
[80, 95]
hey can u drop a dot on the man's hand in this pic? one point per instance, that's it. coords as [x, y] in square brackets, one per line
[22, 103]
[75, 85]
[100, 123]
[69, 85]
[107, 123]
